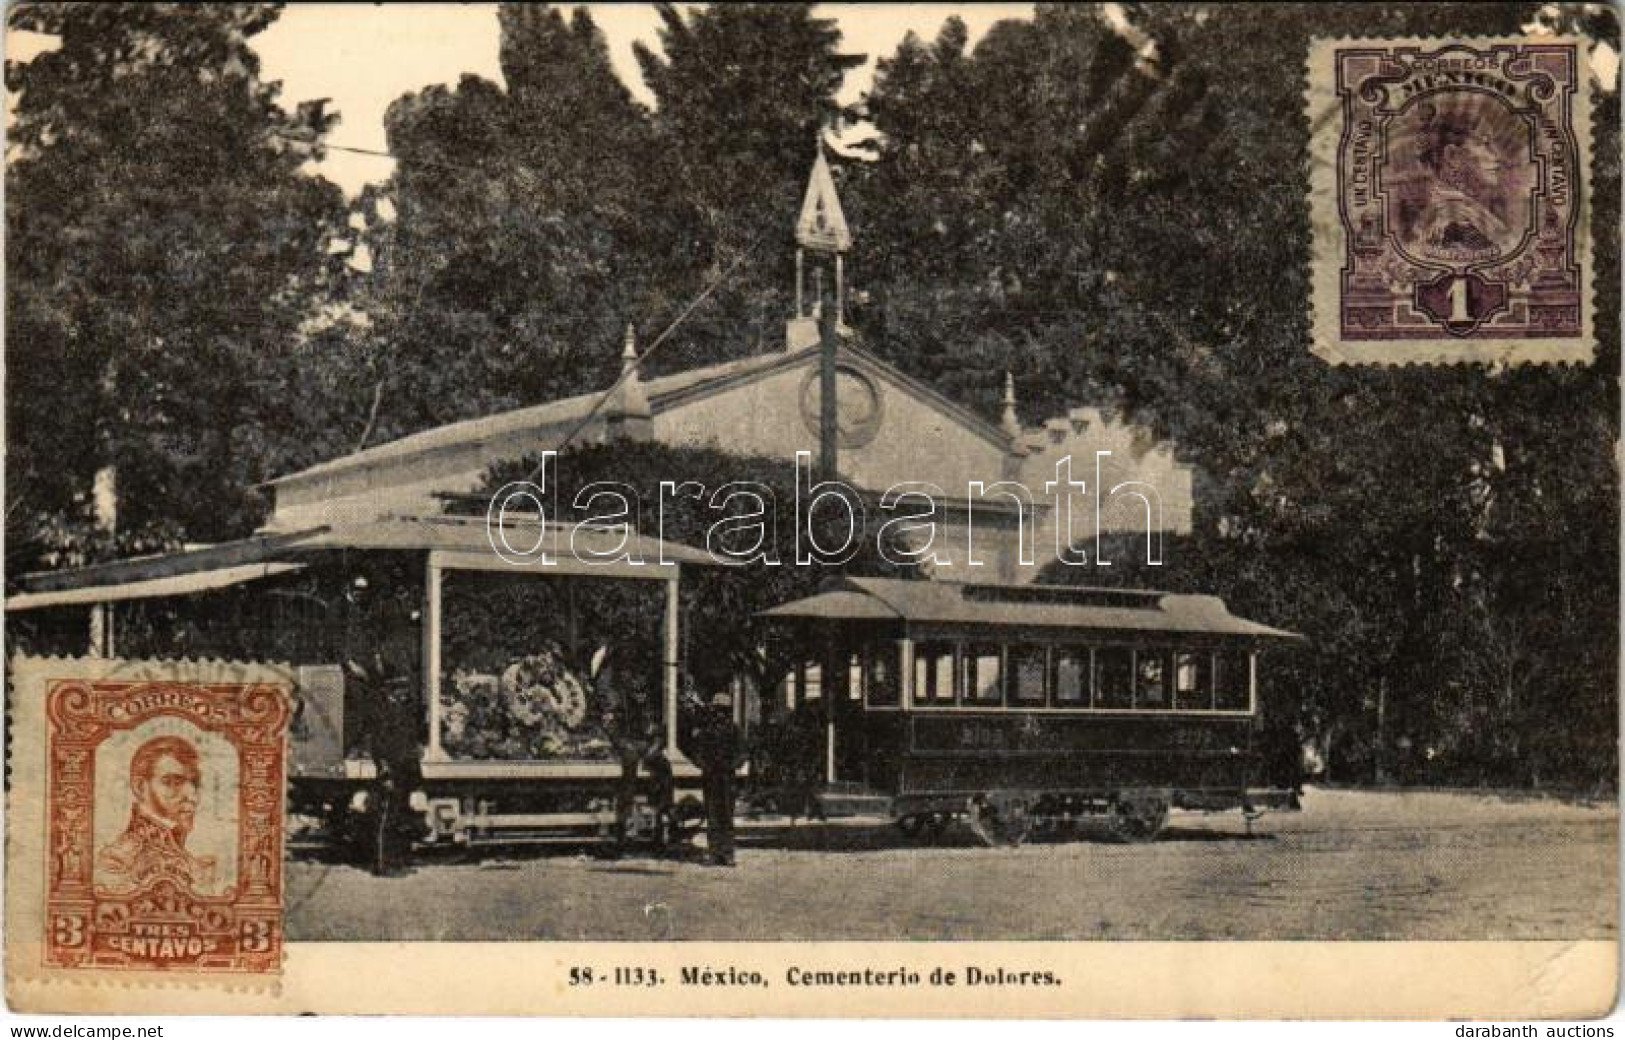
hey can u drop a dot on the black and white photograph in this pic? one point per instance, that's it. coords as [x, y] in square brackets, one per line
[698, 474]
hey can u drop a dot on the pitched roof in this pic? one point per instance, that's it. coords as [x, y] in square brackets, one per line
[662, 392]
[552, 413]
[228, 563]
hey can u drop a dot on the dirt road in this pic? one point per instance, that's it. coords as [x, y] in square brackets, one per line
[1353, 865]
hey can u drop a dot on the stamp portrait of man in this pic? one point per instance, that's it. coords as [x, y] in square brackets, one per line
[1465, 191]
[165, 776]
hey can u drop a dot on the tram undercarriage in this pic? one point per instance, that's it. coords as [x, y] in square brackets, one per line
[1010, 817]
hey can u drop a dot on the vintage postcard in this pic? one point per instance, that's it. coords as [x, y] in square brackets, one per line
[984, 510]
[1451, 193]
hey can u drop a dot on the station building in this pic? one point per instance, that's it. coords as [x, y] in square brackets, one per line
[1087, 471]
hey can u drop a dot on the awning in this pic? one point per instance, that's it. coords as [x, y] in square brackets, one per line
[567, 542]
[171, 585]
[577, 550]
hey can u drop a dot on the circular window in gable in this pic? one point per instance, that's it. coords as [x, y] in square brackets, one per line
[857, 406]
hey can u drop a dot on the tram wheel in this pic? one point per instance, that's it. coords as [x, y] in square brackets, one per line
[1138, 819]
[925, 826]
[1000, 817]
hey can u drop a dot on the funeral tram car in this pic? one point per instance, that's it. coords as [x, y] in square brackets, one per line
[506, 691]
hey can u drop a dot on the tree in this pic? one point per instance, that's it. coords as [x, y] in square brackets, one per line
[1122, 212]
[162, 248]
[742, 94]
[523, 234]
[539, 216]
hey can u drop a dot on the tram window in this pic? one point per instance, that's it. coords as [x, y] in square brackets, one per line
[984, 681]
[1071, 677]
[1193, 680]
[812, 681]
[854, 677]
[934, 673]
[1027, 674]
[1231, 691]
[1114, 677]
[880, 668]
[1151, 670]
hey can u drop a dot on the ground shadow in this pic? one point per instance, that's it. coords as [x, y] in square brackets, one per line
[843, 836]
[1204, 834]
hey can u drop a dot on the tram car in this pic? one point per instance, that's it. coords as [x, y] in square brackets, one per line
[1030, 707]
[518, 671]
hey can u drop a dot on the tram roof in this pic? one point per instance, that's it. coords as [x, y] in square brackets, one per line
[1027, 606]
[267, 554]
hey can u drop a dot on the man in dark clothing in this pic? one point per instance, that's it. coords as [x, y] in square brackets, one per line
[625, 721]
[659, 789]
[716, 744]
[382, 696]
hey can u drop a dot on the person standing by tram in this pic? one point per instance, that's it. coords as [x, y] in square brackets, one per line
[660, 787]
[381, 666]
[717, 747]
[626, 722]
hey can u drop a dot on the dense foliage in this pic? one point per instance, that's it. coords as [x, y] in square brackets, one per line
[162, 253]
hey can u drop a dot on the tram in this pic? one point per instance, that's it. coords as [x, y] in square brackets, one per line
[1030, 707]
[511, 722]
[1012, 707]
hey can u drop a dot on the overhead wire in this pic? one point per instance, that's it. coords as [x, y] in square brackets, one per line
[627, 371]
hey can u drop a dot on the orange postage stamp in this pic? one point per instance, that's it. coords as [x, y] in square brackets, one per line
[159, 813]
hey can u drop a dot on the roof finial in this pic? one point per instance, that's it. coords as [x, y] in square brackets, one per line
[1009, 421]
[822, 225]
[629, 352]
[627, 413]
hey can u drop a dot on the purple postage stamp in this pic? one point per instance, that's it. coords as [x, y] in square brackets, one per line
[1450, 186]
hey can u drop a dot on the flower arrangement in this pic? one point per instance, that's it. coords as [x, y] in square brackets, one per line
[537, 707]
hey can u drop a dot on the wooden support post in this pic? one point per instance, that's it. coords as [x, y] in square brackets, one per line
[431, 659]
[1252, 681]
[1213, 679]
[834, 690]
[673, 675]
[101, 630]
[829, 750]
[905, 680]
